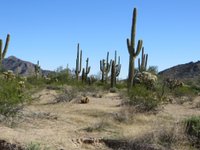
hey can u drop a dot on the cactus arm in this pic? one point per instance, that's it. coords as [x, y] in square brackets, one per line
[139, 46]
[133, 29]
[118, 69]
[107, 58]
[6, 45]
[115, 57]
[146, 61]
[139, 65]
[1, 46]
[129, 47]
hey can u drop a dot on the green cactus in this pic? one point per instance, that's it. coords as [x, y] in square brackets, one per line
[3, 51]
[117, 65]
[133, 53]
[83, 75]
[142, 66]
[37, 69]
[87, 69]
[78, 62]
[105, 68]
[113, 75]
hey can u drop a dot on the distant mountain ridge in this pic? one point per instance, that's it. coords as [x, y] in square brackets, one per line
[21, 67]
[184, 72]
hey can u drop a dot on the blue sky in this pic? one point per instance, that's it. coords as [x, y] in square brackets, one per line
[49, 30]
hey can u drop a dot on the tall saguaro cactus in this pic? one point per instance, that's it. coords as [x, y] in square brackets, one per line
[133, 52]
[4, 50]
[105, 68]
[78, 62]
[142, 66]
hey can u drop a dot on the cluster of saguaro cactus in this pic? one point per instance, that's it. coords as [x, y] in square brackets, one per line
[142, 65]
[133, 52]
[78, 62]
[85, 71]
[105, 68]
[4, 50]
[37, 69]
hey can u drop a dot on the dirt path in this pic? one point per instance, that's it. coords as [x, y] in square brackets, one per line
[65, 125]
[181, 111]
[62, 125]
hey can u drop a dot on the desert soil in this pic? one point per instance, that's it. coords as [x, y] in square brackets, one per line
[72, 125]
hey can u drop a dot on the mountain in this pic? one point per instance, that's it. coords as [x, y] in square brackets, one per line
[184, 72]
[21, 67]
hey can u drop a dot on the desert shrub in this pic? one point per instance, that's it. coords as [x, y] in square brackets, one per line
[184, 91]
[193, 130]
[66, 95]
[11, 97]
[153, 69]
[33, 146]
[121, 85]
[34, 81]
[142, 99]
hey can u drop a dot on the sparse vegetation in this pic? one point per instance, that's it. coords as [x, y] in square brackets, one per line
[12, 97]
[143, 99]
[192, 130]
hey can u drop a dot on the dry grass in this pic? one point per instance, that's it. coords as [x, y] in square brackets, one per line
[62, 125]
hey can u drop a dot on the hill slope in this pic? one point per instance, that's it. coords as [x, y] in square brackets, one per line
[21, 67]
[184, 72]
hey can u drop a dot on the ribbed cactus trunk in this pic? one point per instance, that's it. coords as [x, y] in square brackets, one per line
[4, 50]
[113, 75]
[83, 75]
[131, 71]
[87, 69]
[133, 52]
[117, 67]
[78, 62]
[37, 69]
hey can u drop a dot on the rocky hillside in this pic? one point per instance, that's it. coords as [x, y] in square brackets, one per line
[184, 72]
[21, 67]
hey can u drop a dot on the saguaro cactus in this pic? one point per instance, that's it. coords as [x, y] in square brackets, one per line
[78, 62]
[117, 65]
[4, 50]
[37, 69]
[133, 53]
[113, 75]
[142, 66]
[105, 68]
[83, 75]
[87, 69]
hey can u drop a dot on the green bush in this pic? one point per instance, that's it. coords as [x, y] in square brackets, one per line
[34, 81]
[11, 97]
[142, 99]
[184, 91]
[193, 130]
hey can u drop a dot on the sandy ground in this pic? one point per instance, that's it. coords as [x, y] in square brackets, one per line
[66, 125]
